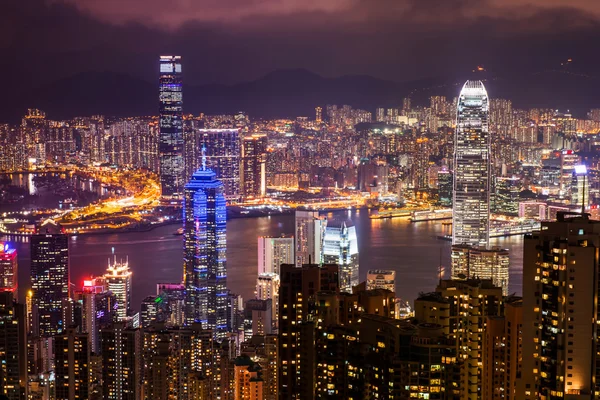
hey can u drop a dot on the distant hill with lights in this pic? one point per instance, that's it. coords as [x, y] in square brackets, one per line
[290, 93]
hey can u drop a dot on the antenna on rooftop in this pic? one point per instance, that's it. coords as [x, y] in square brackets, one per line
[203, 157]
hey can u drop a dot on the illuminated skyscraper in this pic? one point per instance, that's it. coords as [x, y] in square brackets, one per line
[8, 269]
[254, 166]
[118, 281]
[319, 115]
[223, 157]
[310, 229]
[274, 251]
[340, 246]
[50, 278]
[204, 260]
[471, 204]
[13, 348]
[171, 126]
[72, 360]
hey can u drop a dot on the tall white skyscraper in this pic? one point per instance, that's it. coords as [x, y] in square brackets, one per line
[340, 246]
[471, 195]
[274, 251]
[310, 229]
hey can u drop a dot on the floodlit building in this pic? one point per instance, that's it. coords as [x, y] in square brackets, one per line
[480, 263]
[274, 251]
[8, 269]
[204, 258]
[171, 126]
[471, 195]
[118, 281]
[340, 246]
[381, 279]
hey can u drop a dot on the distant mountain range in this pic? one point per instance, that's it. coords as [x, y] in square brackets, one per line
[288, 93]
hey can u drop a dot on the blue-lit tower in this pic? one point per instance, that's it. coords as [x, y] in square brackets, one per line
[204, 253]
[171, 126]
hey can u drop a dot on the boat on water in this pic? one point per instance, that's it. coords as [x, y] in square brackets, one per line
[178, 232]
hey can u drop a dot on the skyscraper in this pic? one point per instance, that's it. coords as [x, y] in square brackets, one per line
[471, 205]
[171, 126]
[254, 164]
[274, 251]
[204, 260]
[223, 157]
[560, 311]
[118, 281]
[121, 362]
[310, 229]
[50, 278]
[8, 269]
[340, 246]
[13, 348]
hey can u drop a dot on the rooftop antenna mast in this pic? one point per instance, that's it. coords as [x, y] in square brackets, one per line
[203, 157]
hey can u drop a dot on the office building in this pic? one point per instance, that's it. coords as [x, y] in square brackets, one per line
[471, 195]
[8, 269]
[49, 278]
[72, 365]
[480, 263]
[461, 309]
[121, 350]
[118, 281]
[297, 363]
[445, 188]
[381, 279]
[340, 246]
[310, 229]
[253, 179]
[13, 348]
[274, 251]
[223, 157]
[204, 258]
[580, 188]
[560, 294]
[503, 352]
[171, 126]
[506, 196]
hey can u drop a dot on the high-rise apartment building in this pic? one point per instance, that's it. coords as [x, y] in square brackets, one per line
[267, 288]
[8, 269]
[253, 179]
[118, 281]
[248, 380]
[49, 278]
[204, 257]
[560, 313]
[310, 229]
[318, 115]
[471, 203]
[297, 364]
[223, 157]
[121, 349]
[462, 308]
[72, 365]
[274, 251]
[171, 126]
[13, 348]
[503, 352]
[340, 246]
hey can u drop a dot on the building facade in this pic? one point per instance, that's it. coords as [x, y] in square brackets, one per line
[340, 246]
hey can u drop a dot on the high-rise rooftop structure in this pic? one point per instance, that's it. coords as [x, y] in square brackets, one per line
[253, 179]
[310, 229]
[8, 269]
[118, 281]
[381, 279]
[274, 251]
[171, 126]
[49, 278]
[560, 312]
[204, 256]
[223, 157]
[340, 246]
[471, 195]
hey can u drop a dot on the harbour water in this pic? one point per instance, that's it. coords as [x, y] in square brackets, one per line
[411, 249]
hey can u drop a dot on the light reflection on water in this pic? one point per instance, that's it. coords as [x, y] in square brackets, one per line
[412, 250]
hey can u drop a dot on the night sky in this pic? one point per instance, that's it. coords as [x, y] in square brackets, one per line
[230, 41]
